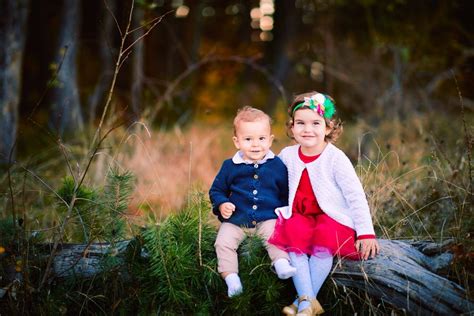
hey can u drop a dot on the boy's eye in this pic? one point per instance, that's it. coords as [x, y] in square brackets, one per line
[247, 138]
[262, 138]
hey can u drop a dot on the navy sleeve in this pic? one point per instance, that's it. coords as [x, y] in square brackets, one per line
[283, 184]
[220, 189]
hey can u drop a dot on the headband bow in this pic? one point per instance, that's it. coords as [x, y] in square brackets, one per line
[320, 103]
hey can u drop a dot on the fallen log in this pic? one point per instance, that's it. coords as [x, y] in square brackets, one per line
[405, 277]
[405, 274]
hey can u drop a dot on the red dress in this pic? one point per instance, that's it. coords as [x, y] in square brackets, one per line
[309, 230]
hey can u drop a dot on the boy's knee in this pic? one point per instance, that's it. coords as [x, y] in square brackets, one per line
[222, 243]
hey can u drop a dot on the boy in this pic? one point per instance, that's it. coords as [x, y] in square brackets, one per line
[245, 193]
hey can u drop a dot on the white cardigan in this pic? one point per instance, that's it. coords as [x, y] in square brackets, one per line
[336, 185]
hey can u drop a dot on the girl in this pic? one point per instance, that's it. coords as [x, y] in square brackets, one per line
[328, 213]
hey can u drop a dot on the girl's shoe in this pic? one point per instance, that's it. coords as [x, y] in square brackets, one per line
[314, 308]
[308, 311]
[317, 308]
[290, 310]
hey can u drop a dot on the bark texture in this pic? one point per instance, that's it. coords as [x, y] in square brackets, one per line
[405, 274]
[12, 39]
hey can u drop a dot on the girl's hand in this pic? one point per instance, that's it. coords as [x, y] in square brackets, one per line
[227, 209]
[367, 248]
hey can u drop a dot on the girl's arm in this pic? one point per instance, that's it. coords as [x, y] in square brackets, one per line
[353, 192]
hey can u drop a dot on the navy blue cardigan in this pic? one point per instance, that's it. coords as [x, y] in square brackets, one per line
[255, 190]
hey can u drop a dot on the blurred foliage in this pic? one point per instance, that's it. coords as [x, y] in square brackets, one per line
[401, 74]
[96, 214]
[376, 58]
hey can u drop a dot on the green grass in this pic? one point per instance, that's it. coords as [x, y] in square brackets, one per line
[417, 174]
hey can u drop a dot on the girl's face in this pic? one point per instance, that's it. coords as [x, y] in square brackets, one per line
[309, 130]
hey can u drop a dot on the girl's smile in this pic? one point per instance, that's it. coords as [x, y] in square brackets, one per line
[309, 130]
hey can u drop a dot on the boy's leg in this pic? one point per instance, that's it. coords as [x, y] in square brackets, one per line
[227, 242]
[280, 259]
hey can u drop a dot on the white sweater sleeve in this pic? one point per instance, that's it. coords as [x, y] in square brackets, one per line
[353, 192]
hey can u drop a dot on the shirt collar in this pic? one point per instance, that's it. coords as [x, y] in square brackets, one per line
[237, 159]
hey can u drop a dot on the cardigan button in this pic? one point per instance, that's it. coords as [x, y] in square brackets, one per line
[256, 165]
[255, 176]
[254, 192]
[254, 223]
[254, 207]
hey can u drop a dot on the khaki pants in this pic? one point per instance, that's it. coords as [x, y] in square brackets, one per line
[229, 238]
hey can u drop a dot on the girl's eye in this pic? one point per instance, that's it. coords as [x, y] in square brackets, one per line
[262, 138]
[247, 139]
[299, 123]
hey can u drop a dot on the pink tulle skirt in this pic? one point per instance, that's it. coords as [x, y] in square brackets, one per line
[314, 234]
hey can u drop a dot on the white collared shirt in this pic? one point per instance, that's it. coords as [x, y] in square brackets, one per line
[238, 159]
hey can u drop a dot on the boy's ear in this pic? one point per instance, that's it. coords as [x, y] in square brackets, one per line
[236, 142]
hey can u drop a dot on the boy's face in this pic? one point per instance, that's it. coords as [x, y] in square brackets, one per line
[253, 139]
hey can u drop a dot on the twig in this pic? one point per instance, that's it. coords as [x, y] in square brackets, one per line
[212, 59]
[56, 242]
[10, 186]
[155, 21]
[467, 138]
[113, 16]
[122, 56]
[114, 78]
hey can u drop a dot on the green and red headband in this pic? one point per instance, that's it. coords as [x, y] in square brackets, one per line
[319, 103]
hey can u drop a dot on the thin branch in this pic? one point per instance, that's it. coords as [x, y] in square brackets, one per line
[10, 186]
[113, 15]
[212, 59]
[158, 20]
[50, 83]
[467, 137]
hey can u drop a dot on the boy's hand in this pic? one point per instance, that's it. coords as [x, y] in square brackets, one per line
[367, 248]
[227, 209]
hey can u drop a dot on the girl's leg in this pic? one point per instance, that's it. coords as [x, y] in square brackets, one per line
[320, 265]
[302, 279]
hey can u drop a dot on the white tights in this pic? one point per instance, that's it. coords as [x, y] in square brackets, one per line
[310, 273]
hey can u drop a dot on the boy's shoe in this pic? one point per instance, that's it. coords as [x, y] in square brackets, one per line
[283, 269]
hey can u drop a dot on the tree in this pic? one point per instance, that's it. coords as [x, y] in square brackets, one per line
[66, 113]
[106, 57]
[137, 63]
[12, 37]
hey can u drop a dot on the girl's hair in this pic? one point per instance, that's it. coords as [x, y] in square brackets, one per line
[250, 114]
[333, 123]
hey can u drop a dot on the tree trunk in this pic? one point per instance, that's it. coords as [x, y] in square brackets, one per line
[66, 116]
[137, 64]
[403, 275]
[106, 44]
[284, 32]
[12, 39]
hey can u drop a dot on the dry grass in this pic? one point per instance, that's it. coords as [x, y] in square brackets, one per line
[415, 187]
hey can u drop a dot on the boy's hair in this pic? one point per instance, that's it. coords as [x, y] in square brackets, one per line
[334, 123]
[249, 114]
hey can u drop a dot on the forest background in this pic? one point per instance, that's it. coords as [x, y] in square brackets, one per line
[151, 87]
